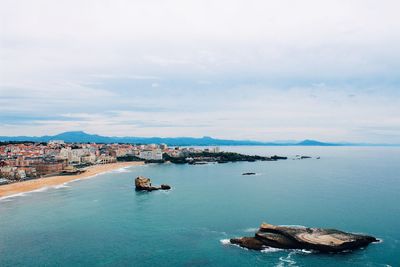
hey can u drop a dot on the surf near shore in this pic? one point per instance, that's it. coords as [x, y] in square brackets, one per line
[35, 184]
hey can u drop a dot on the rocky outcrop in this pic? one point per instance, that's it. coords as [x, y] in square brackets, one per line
[317, 239]
[165, 187]
[144, 184]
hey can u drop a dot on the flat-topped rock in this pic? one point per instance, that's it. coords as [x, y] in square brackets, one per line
[294, 237]
[144, 184]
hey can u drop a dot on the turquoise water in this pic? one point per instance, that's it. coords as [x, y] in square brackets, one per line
[103, 222]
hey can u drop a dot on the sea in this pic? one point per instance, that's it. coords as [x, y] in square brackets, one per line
[103, 221]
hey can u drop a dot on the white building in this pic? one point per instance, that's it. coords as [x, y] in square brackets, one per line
[154, 154]
[75, 155]
[56, 142]
[215, 149]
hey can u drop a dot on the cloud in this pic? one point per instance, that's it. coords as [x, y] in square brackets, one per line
[235, 69]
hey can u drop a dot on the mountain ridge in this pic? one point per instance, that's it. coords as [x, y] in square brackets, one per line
[83, 137]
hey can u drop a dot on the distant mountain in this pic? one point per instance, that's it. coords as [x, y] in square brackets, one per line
[82, 137]
[315, 143]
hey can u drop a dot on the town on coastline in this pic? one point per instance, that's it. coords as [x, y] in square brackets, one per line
[21, 161]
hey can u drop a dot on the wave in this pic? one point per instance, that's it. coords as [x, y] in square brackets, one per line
[42, 189]
[86, 178]
[12, 196]
[250, 230]
[121, 170]
[64, 185]
[271, 250]
[286, 260]
[226, 242]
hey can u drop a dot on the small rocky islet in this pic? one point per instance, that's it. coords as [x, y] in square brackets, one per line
[296, 237]
[144, 184]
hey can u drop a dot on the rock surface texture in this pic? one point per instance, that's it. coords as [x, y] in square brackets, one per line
[317, 239]
[144, 184]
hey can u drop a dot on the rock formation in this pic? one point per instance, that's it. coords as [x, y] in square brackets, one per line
[317, 239]
[144, 184]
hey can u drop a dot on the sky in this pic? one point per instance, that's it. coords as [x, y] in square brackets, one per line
[237, 69]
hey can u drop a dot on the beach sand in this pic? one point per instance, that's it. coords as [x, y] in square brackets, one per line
[30, 185]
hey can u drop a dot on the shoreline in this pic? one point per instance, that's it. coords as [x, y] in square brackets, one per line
[32, 185]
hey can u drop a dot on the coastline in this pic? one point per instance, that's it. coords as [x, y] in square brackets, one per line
[35, 184]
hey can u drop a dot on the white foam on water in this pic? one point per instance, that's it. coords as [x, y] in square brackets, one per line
[85, 178]
[271, 250]
[121, 170]
[42, 189]
[12, 196]
[294, 251]
[305, 251]
[225, 242]
[287, 261]
[250, 230]
[283, 260]
[64, 185]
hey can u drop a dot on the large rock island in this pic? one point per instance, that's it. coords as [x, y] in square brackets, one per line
[144, 184]
[318, 239]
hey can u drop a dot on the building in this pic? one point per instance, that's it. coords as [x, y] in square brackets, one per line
[153, 154]
[49, 168]
[103, 159]
[163, 146]
[56, 142]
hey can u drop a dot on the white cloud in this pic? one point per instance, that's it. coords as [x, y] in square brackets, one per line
[236, 69]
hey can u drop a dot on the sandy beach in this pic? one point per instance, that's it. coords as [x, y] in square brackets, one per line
[26, 186]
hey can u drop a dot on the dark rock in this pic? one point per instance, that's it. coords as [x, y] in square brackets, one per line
[318, 239]
[248, 242]
[144, 184]
[278, 158]
[165, 187]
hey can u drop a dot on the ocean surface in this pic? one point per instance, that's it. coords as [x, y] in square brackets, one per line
[102, 221]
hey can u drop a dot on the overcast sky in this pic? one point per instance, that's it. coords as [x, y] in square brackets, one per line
[262, 70]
